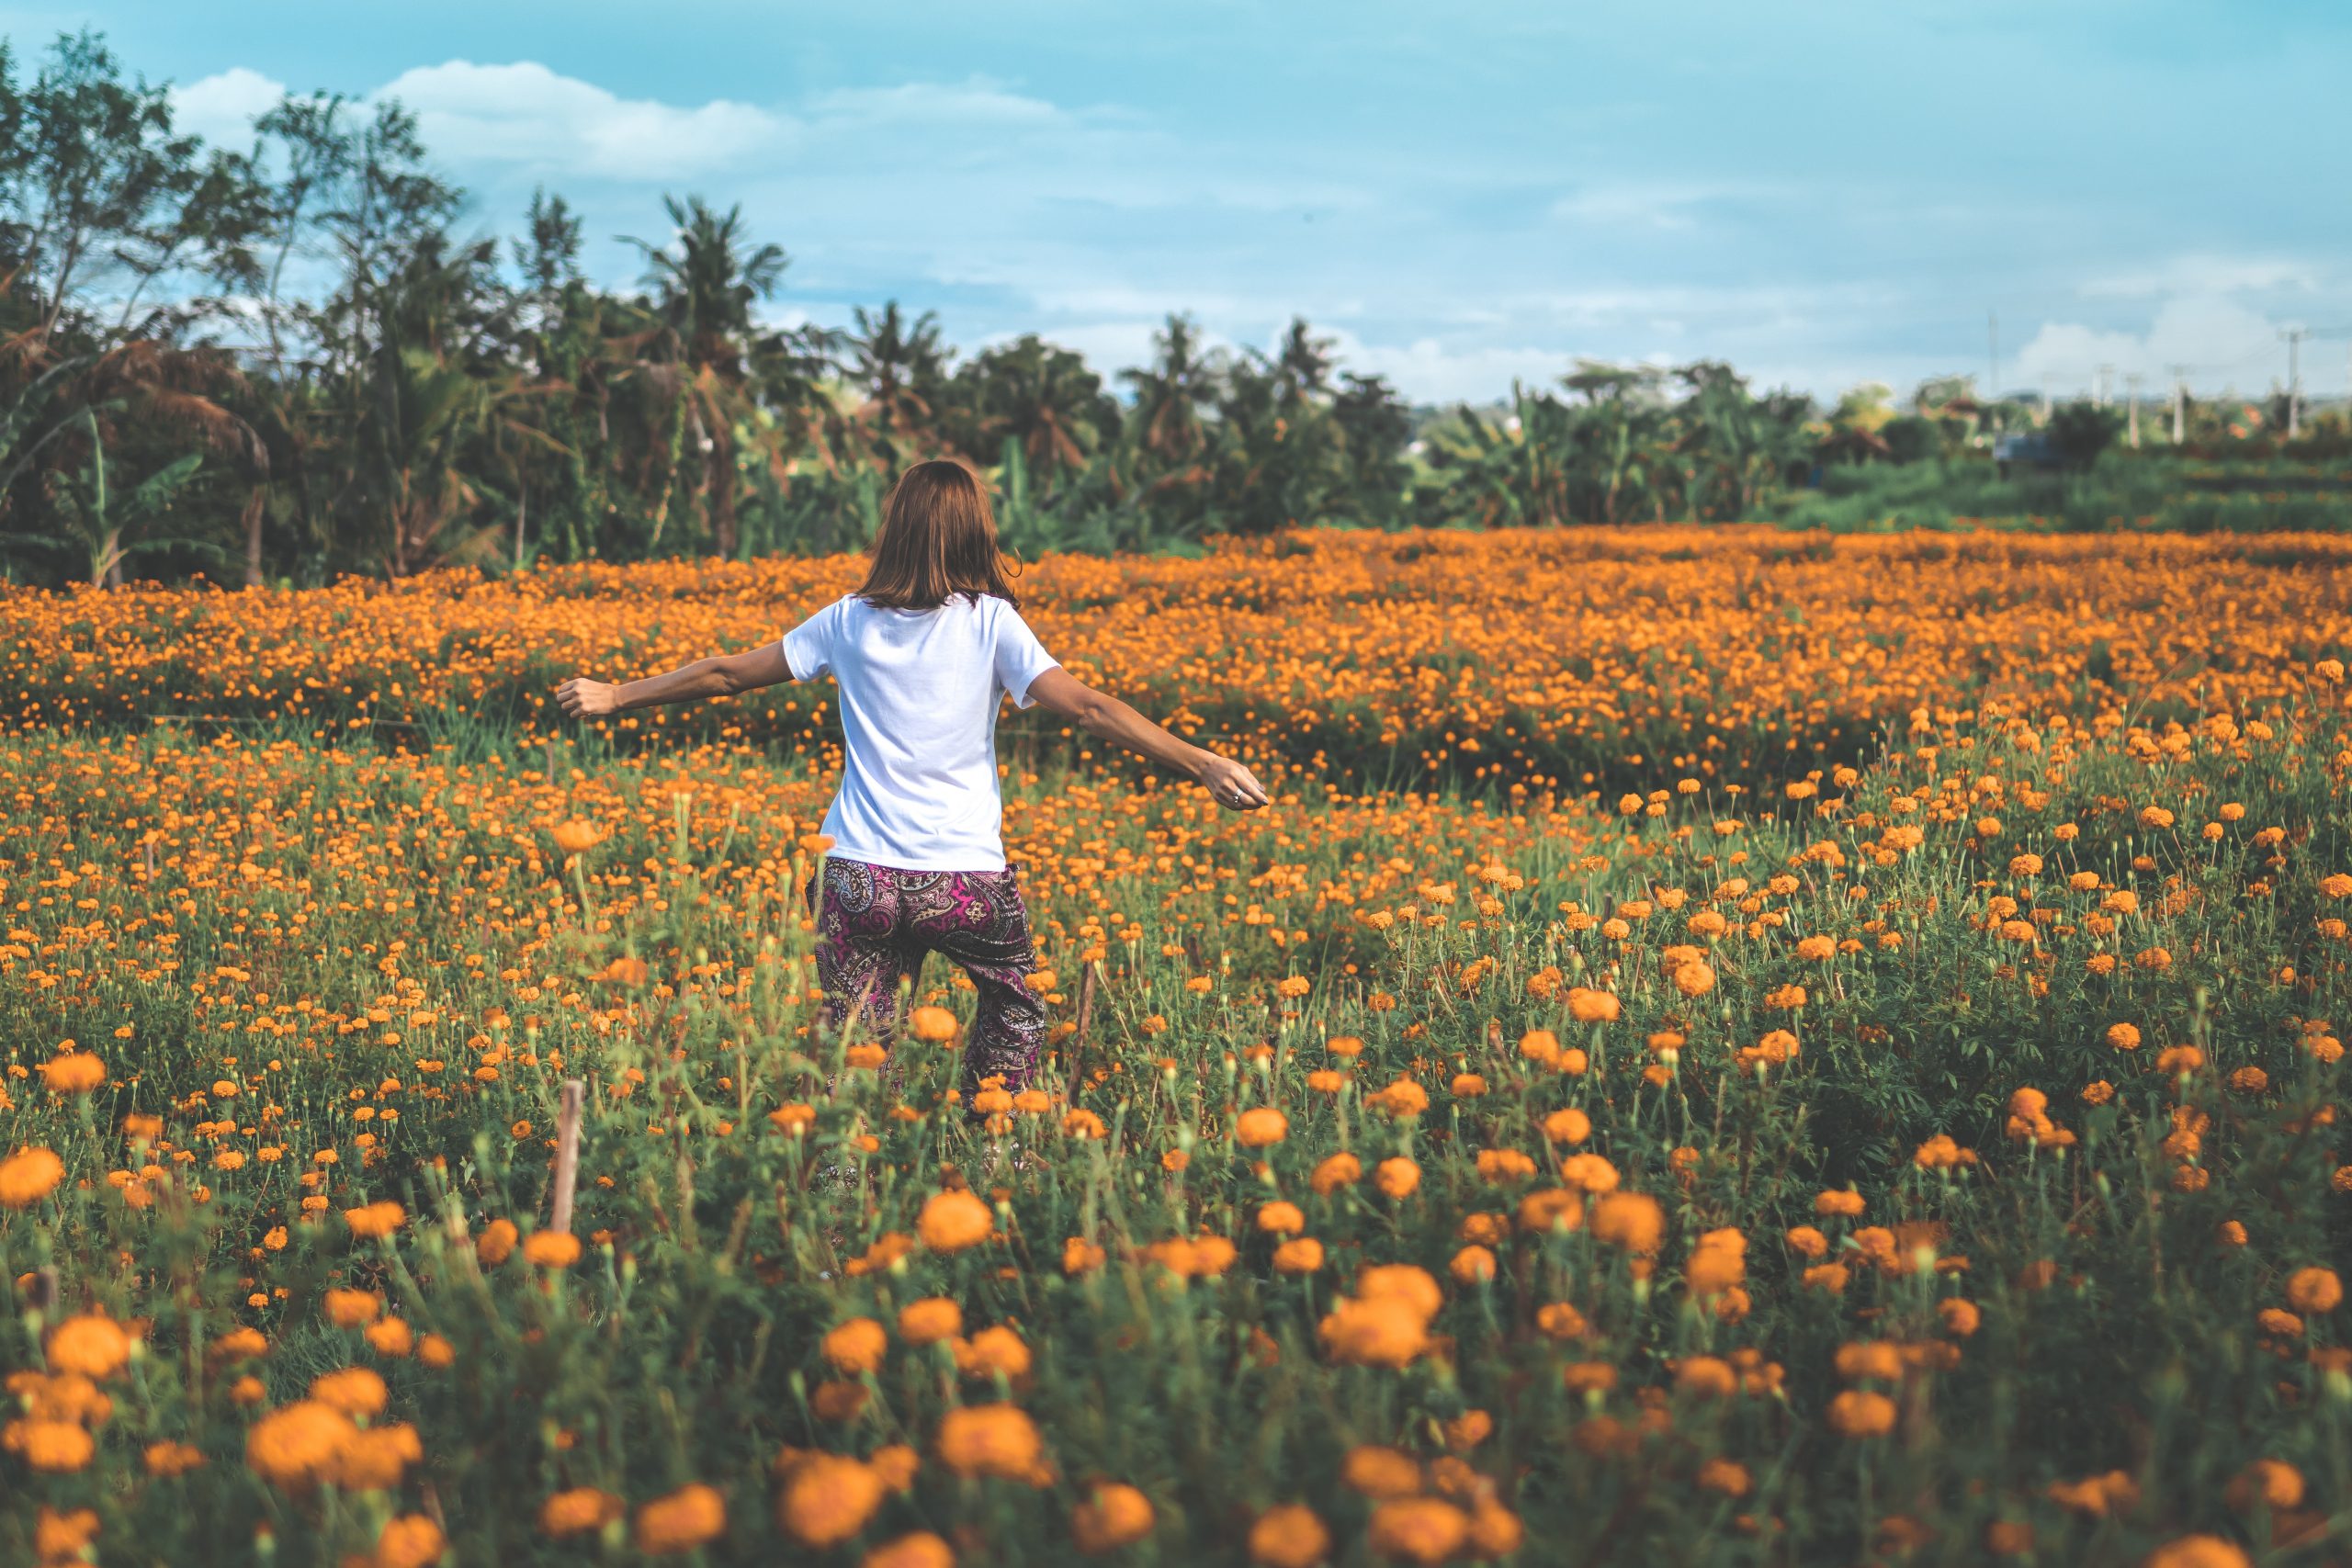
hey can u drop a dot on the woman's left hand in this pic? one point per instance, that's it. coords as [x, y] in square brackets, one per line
[583, 698]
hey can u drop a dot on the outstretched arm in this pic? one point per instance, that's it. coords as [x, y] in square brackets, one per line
[1112, 721]
[721, 677]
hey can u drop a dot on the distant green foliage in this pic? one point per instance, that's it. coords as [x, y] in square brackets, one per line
[2120, 490]
[434, 400]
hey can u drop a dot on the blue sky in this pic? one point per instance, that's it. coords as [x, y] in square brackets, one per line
[1820, 192]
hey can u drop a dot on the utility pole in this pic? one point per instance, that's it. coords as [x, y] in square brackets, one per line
[2045, 397]
[2179, 374]
[2106, 378]
[1992, 355]
[2294, 337]
[2131, 386]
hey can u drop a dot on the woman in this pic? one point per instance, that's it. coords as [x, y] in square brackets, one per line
[922, 652]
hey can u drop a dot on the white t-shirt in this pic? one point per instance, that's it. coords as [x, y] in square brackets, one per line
[919, 695]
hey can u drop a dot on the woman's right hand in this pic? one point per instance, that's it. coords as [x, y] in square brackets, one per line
[583, 698]
[1233, 785]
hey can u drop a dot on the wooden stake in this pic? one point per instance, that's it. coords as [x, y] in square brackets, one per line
[1086, 979]
[567, 1154]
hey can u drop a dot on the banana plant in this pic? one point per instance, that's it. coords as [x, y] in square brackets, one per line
[100, 517]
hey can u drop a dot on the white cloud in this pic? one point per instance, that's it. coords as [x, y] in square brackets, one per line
[977, 102]
[2208, 274]
[1108, 347]
[1665, 205]
[523, 115]
[529, 116]
[222, 107]
[2224, 343]
[1428, 371]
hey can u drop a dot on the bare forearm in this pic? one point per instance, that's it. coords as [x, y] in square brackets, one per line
[1109, 719]
[703, 678]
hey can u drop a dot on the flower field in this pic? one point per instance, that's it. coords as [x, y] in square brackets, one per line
[1887, 1114]
[1384, 657]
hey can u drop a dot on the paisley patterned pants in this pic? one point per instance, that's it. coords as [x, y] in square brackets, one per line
[876, 924]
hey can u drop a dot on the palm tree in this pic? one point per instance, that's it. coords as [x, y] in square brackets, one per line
[702, 288]
[1170, 394]
[1619, 438]
[1038, 395]
[67, 398]
[901, 369]
[1303, 366]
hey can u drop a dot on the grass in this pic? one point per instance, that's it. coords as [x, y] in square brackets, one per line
[1697, 1115]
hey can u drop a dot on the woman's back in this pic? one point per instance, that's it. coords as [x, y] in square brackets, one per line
[918, 696]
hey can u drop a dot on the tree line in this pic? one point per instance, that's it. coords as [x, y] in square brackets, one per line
[285, 362]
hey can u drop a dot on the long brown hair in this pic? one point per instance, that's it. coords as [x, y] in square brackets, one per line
[938, 539]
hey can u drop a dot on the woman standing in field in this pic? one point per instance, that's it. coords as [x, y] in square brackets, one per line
[922, 652]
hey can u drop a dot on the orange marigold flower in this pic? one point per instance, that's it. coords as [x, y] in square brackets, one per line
[1335, 1172]
[1568, 1126]
[64, 1538]
[354, 1391]
[54, 1448]
[2200, 1551]
[1859, 1413]
[1419, 1529]
[1631, 1220]
[1708, 1377]
[826, 1499]
[497, 1244]
[91, 1346]
[1260, 1126]
[1301, 1254]
[578, 1511]
[1382, 1332]
[921, 1549]
[953, 1219]
[172, 1459]
[297, 1447]
[1289, 1535]
[551, 1249]
[1279, 1218]
[352, 1309]
[857, 1345]
[1381, 1472]
[1397, 1176]
[930, 1320]
[380, 1219]
[1113, 1515]
[76, 1072]
[935, 1024]
[1588, 1006]
[2314, 1290]
[411, 1540]
[2265, 1483]
[989, 1439]
[28, 1176]
[1472, 1266]
[692, 1516]
[993, 1351]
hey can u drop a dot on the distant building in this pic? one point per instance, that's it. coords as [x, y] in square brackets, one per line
[2028, 448]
